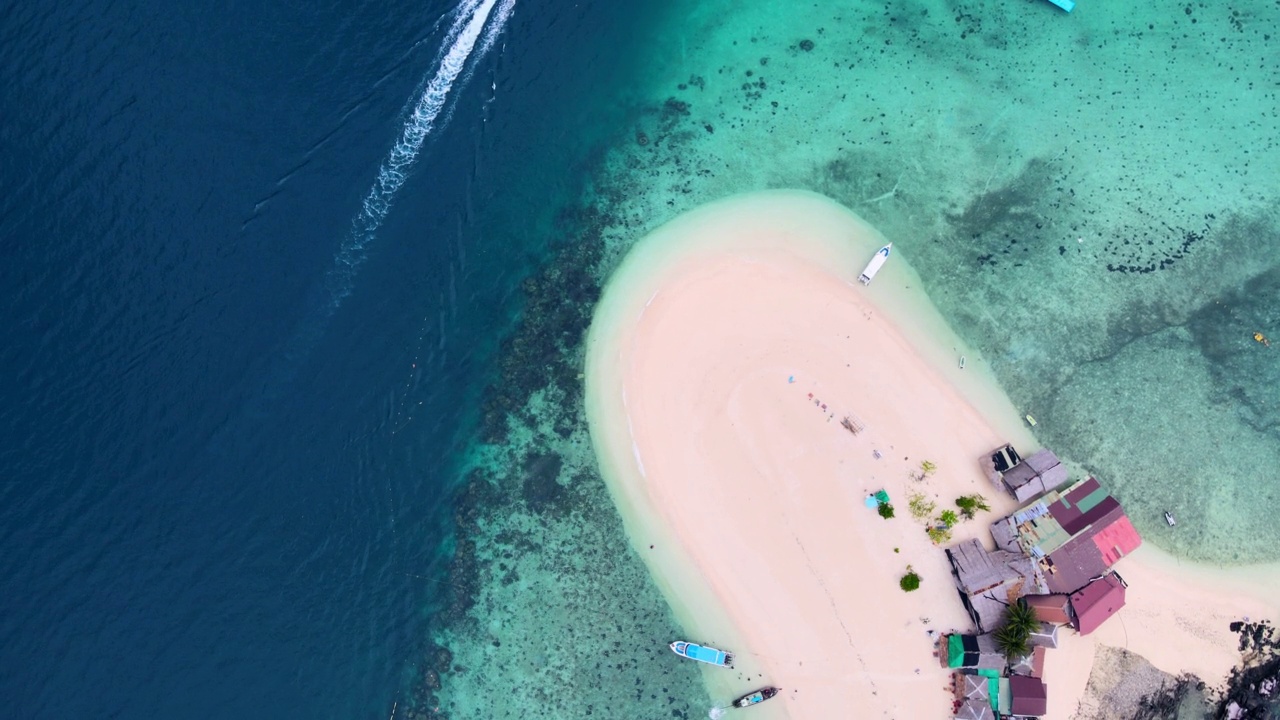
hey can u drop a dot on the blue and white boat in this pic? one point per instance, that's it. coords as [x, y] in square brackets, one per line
[873, 267]
[702, 653]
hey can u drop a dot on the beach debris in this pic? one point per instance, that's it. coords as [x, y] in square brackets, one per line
[852, 425]
[791, 378]
[876, 454]
[962, 361]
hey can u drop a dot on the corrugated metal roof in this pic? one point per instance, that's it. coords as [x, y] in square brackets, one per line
[1096, 602]
[1090, 501]
[1117, 539]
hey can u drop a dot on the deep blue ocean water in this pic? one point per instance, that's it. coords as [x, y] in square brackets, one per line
[223, 485]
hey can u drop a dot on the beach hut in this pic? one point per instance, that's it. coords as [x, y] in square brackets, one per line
[974, 652]
[1028, 696]
[1096, 602]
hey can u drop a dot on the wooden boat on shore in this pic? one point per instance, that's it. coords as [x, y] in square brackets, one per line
[702, 653]
[756, 697]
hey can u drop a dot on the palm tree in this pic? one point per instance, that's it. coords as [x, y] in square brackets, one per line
[1014, 636]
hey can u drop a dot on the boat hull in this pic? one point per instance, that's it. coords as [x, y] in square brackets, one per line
[702, 653]
[755, 698]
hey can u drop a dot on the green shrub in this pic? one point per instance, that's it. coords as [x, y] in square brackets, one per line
[948, 518]
[927, 468]
[970, 505]
[885, 510]
[921, 506]
[910, 581]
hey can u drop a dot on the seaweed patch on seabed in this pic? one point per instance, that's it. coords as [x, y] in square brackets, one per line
[1243, 367]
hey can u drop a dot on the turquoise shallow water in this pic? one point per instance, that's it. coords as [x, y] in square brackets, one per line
[1089, 199]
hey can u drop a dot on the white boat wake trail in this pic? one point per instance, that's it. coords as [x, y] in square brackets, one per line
[474, 21]
[469, 26]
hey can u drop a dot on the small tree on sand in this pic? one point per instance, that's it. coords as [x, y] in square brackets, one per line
[885, 510]
[921, 506]
[948, 518]
[910, 581]
[970, 505]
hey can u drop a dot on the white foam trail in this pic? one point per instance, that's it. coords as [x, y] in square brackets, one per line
[468, 28]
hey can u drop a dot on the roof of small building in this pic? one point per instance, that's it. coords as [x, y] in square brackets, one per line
[975, 688]
[1046, 636]
[1030, 696]
[1042, 460]
[1097, 601]
[1032, 664]
[1050, 608]
[989, 580]
[978, 569]
[1006, 535]
[1092, 552]
[975, 710]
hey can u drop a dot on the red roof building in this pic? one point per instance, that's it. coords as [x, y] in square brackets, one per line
[1096, 602]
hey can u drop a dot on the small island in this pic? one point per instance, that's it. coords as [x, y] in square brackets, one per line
[808, 470]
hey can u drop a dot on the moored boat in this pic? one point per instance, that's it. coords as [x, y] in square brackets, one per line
[756, 697]
[702, 653]
[873, 267]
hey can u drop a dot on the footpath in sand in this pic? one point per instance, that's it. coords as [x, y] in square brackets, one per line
[726, 352]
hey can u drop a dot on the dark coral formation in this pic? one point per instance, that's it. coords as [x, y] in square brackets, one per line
[543, 350]
[1254, 686]
[541, 488]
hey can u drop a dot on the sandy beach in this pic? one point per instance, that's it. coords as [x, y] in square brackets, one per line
[726, 352]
